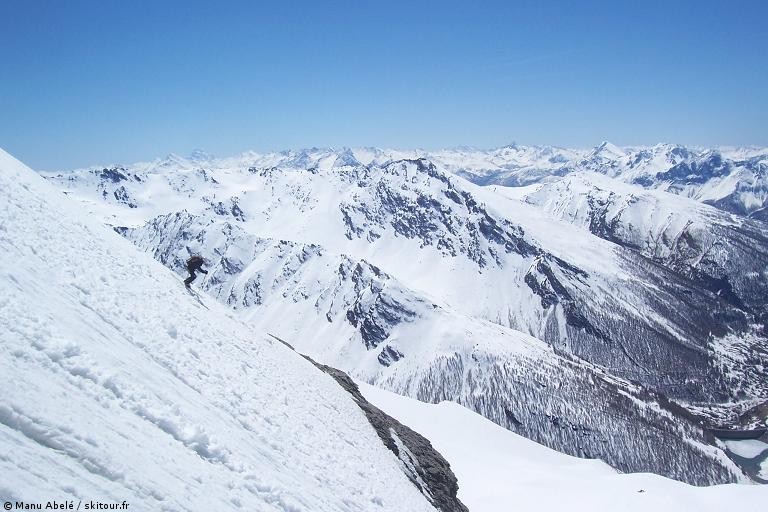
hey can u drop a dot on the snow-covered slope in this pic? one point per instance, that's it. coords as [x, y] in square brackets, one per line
[119, 385]
[726, 253]
[393, 272]
[500, 470]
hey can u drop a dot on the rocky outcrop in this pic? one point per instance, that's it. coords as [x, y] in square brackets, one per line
[424, 466]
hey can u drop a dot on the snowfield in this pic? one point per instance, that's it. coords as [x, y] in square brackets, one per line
[499, 470]
[118, 384]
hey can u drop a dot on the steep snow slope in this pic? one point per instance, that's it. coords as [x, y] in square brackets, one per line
[118, 385]
[499, 470]
[723, 253]
[736, 186]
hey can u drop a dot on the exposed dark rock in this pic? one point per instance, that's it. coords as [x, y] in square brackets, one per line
[542, 280]
[461, 226]
[236, 211]
[697, 172]
[376, 320]
[643, 181]
[230, 266]
[389, 355]
[114, 174]
[121, 194]
[206, 176]
[424, 466]
[352, 228]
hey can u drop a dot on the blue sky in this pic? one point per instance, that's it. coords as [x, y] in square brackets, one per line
[110, 81]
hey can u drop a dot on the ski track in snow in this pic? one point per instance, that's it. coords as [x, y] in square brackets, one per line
[117, 385]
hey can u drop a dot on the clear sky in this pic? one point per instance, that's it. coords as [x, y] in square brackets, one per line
[110, 81]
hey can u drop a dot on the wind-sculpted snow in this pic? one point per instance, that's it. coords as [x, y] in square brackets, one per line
[363, 263]
[118, 386]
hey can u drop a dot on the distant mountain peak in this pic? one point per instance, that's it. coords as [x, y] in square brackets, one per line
[199, 155]
[608, 148]
[346, 157]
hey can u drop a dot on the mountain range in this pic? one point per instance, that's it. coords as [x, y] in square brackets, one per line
[608, 303]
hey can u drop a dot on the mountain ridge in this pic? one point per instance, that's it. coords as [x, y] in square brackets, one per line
[734, 179]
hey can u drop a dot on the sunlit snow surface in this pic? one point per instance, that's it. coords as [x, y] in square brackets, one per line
[117, 385]
[501, 471]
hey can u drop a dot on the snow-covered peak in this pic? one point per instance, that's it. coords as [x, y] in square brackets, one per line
[744, 153]
[608, 150]
[346, 158]
[741, 188]
[173, 161]
[199, 155]
[292, 243]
